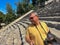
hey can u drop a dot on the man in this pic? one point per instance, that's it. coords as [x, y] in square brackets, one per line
[35, 34]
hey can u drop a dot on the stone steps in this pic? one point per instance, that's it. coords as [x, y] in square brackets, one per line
[50, 18]
[53, 30]
[53, 9]
[16, 32]
[56, 33]
[10, 36]
[22, 32]
[52, 24]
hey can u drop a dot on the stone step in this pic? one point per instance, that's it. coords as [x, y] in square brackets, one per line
[16, 34]
[50, 18]
[22, 32]
[10, 37]
[53, 18]
[56, 33]
[17, 27]
[53, 9]
[25, 25]
[52, 24]
[26, 19]
[3, 36]
[22, 29]
[27, 22]
[47, 14]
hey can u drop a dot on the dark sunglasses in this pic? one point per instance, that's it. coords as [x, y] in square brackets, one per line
[31, 17]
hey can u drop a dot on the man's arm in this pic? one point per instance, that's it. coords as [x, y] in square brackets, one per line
[27, 38]
[31, 42]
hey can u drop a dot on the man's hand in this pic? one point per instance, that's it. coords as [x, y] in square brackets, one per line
[32, 42]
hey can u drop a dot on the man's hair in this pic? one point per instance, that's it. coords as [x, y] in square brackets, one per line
[34, 13]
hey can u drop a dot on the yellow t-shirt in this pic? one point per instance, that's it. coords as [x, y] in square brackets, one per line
[35, 35]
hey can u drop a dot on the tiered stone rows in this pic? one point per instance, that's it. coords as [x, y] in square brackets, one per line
[52, 9]
[14, 34]
[10, 36]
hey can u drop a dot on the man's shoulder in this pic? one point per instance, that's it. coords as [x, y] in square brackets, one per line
[30, 26]
[42, 22]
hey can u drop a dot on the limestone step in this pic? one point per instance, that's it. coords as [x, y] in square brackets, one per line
[50, 18]
[52, 24]
[53, 18]
[16, 36]
[10, 36]
[27, 22]
[25, 25]
[56, 33]
[48, 15]
[53, 9]
[22, 32]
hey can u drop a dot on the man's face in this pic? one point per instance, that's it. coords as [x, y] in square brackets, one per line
[33, 18]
